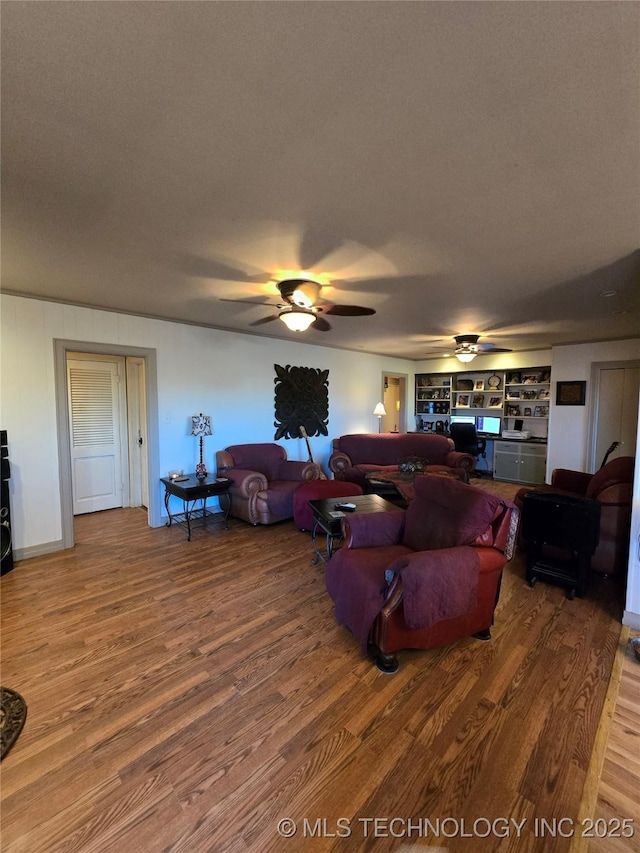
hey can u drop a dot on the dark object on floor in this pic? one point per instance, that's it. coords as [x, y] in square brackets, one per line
[612, 487]
[13, 713]
[562, 533]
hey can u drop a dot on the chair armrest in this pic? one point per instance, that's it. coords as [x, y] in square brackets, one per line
[338, 463]
[571, 481]
[245, 483]
[491, 562]
[223, 460]
[290, 469]
[617, 494]
[372, 530]
[455, 459]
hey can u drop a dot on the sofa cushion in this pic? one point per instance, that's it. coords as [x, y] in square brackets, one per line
[472, 509]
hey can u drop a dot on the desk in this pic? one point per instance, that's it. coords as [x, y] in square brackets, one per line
[332, 527]
[192, 490]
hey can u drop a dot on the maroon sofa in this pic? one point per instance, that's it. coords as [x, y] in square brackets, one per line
[354, 456]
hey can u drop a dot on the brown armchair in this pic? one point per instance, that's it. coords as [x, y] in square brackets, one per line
[264, 481]
[612, 485]
[425, 577]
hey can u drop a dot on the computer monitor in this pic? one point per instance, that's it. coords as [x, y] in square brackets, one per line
[488, 426]
[463, 419]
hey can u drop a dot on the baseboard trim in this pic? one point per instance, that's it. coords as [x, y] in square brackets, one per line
[37, 550]
[631, 619]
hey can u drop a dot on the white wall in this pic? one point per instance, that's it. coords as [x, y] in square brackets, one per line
[225, 374]
[569, 425]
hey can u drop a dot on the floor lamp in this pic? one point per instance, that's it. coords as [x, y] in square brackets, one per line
[380, 412]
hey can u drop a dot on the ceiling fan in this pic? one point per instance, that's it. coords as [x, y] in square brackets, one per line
[300, 310]
[467, 348]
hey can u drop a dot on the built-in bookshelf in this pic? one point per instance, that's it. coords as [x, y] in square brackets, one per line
[518, 394]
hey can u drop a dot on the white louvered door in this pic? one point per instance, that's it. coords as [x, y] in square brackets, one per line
[96, 447]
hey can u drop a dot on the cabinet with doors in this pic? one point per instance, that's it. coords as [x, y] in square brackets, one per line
[519, 461]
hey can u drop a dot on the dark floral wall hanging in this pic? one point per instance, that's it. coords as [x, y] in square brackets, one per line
[301, 400]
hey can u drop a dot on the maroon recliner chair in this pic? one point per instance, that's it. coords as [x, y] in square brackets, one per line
[264, 480]
[612, 485]
[424, 577]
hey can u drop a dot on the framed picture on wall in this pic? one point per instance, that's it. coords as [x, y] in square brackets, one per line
[571, 393]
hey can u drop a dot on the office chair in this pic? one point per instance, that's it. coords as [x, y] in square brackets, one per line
[466, 440]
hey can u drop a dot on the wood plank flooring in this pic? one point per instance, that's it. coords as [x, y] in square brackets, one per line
[188, 696]
[619, 773]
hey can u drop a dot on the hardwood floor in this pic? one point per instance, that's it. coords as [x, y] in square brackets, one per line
[619, 770]
[188, 696]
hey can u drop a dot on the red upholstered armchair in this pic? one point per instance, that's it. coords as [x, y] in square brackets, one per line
[264, 481]
[425, 577]
[612, 485]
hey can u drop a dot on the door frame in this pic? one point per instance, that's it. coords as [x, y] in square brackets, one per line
[594, 407]
[61, 348]
[137, 439]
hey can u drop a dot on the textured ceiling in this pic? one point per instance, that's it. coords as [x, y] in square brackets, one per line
[458, 166]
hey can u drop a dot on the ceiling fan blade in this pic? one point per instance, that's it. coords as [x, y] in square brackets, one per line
[348, 311]
[320, 324]
[488, 348]
[265, 320]
[249, 302]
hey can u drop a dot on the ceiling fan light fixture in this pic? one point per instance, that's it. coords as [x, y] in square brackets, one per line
[306, 294]
[465, 357]
[297, 319]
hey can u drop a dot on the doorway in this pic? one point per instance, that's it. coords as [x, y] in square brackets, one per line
[97, 400]
[394, 398]
[144, 366]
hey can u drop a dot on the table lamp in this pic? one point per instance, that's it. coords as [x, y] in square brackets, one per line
[201, 426]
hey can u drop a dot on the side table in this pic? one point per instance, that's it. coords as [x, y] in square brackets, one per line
[191, 490]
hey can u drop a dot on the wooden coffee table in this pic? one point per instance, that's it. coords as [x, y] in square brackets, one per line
[388, 482]
[331, 525]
